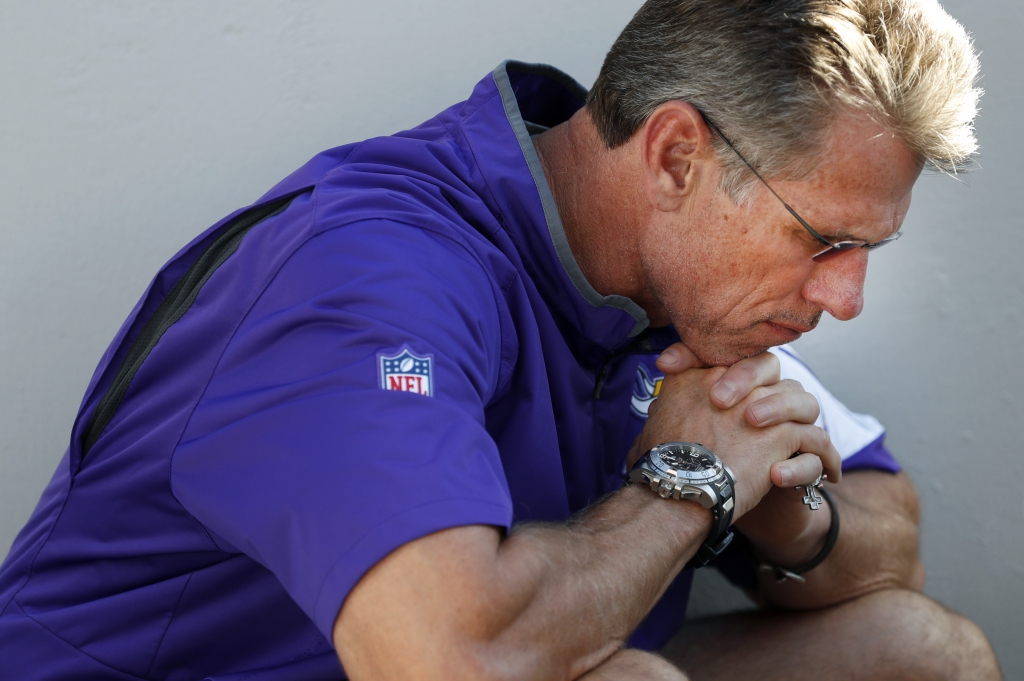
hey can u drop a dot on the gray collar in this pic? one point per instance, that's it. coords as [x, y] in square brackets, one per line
[554, 222]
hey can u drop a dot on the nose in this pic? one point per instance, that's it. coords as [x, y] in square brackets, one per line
[837, 285]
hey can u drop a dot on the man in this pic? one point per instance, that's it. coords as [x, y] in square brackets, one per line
[354, 419]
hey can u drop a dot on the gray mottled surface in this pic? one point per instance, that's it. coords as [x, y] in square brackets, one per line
[712, 594]
[128, 127]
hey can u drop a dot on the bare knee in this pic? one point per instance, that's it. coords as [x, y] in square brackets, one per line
[633, 665]
[922, 639]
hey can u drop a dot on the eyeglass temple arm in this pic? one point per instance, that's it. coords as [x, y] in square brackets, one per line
[792, 212]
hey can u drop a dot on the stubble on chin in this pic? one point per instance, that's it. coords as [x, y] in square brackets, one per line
[705, 336]
[716, 345]
[713, 353]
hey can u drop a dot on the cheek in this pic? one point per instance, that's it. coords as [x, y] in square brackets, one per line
[729, 271]
[758, 279]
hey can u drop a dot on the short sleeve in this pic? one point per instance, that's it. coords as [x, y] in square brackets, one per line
[346, 416]
[859, 438]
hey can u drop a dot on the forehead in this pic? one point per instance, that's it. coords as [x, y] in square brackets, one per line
[861, 186]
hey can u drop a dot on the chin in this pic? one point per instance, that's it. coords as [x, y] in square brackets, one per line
[723, 357]
[725, 354]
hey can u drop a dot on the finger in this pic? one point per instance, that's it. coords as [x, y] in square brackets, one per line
[802, 469]
[800, 406]
[814, 440]
[742, 377]
[676, 359]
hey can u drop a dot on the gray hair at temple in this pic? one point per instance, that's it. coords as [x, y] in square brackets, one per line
[773, 76]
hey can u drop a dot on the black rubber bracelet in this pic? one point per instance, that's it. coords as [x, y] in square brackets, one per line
[830, 538]
[781, 573]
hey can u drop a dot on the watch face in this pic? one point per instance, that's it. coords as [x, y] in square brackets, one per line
[689, 462]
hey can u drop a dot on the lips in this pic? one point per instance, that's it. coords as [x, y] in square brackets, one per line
[785, 332]
[795, 328]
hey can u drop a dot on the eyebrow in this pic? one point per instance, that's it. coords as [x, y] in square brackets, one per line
[841, 236]
[834, 237]
[831, 236]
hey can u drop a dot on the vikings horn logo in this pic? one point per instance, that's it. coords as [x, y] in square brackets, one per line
[645, 390]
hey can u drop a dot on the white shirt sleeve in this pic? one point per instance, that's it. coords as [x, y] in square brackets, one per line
[850, 432]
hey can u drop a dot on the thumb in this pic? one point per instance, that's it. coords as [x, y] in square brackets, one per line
[676, 359]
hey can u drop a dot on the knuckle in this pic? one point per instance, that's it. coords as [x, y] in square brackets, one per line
[791, 385]
[782, 402]
[810, 466]
[715, 373]
[711, 376]
[744, 372]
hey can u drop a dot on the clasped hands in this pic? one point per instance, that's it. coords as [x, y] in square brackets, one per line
[754, 422]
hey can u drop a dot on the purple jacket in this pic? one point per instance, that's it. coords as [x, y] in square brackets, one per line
[394, 340]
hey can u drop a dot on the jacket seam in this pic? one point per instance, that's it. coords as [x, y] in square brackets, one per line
[42, 544]
[209, 379]
[174, 613]
[74, 647]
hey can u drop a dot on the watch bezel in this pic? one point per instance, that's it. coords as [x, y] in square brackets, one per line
[684, 477]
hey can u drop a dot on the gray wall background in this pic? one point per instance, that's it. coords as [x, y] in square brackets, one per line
[128, 127]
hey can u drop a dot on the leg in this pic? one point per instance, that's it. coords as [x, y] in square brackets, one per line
[885, 635]
[634, 665]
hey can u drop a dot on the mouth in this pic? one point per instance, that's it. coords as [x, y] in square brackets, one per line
[789, 331]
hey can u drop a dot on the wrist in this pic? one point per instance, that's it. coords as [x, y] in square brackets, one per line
[795, 571]
[787, 532]
[685, 524]
[689, 472]
[686, 521]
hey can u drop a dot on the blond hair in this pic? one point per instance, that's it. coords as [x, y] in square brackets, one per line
[773, 75]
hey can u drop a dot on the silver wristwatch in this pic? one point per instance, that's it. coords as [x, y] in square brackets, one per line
[690, 471]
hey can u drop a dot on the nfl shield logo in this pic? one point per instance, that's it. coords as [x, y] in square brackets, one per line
[407, 373]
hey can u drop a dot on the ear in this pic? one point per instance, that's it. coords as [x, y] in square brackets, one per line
[676, 145]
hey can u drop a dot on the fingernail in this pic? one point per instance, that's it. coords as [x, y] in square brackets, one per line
[670, 356]
[785, 474]
[724, 392]
[762, 412]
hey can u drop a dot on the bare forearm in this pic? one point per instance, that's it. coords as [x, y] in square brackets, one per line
[592, 582]
[549, 601]
[877, 546]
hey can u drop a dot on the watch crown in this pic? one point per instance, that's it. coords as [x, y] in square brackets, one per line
[665, 489]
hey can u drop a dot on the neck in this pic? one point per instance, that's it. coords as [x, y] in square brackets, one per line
[597, 192]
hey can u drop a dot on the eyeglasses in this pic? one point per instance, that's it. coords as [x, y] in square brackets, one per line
[832, 249]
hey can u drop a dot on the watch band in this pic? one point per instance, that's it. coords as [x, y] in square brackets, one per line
[715, 493]
[720, 536]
